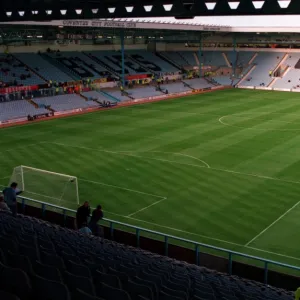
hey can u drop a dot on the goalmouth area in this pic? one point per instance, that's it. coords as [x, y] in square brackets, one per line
[220, 168]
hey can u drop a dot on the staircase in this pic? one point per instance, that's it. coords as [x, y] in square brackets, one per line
[186, 84]
[183, 58]
[32, 103]
[136, 61]
[60, 66]
[252, 59]
[273, 82]
[111, 96]
[168, 60]
[103, 64]
[285, 57]
[196, 59]
[226, 60]
[31, 70]
[246, 75]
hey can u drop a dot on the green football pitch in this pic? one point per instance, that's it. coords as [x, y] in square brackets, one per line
[221, 168]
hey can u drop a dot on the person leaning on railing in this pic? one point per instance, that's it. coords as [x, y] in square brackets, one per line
[97, 215]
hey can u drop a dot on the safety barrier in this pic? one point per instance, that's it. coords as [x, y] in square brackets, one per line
[198, 247]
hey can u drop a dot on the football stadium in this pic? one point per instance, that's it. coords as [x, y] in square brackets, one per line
[145, 157]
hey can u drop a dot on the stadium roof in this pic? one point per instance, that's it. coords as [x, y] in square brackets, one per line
[158, 24]
[18, 10]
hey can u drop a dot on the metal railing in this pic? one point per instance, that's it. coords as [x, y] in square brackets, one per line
[166, 237]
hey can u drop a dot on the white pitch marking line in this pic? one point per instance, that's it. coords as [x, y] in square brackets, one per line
[253, 128]
[144, 208]
[121, 188]
[22, 148]
[275, 253]
[268, 227]
[215, 239]
[183, 231]
[192, 165]
[176, 153]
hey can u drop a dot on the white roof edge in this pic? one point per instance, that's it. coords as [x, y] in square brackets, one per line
[177, 25]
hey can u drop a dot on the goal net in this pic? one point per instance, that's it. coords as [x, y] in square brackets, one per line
[46, 186]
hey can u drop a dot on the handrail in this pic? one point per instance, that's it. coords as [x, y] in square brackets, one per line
[168, 236]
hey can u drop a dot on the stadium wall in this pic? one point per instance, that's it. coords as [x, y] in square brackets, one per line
[210, 261]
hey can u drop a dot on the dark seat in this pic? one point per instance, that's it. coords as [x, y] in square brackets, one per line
[81, 295]
[149, 284]
[53, 260]
[8, 296]
[109, 293]
[165, 296]
[78, 269]
[20, 261]
[78, 282]
[49, 290]
[47, 272]
[15, 281]
[9, 245]
[122, 276]
[30, 252]
[136, 290]
[109, 279]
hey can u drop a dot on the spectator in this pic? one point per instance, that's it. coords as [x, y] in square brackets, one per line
[97, 215]
[3, 205]
[83, 212]
[85, 229]
[10, 197]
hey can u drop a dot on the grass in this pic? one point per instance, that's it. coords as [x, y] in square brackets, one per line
[220, 168]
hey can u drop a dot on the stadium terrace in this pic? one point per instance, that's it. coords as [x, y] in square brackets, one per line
[166, 153]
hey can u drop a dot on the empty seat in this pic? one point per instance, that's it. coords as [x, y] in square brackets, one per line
[8, 296]
[78, 269]
[81, 295]
[109, 293]
[47, 272]
[20, 261]
[15, 281]
[53, 260]
[135, 290]
[78, 282]
[49, 290]
[109, 279]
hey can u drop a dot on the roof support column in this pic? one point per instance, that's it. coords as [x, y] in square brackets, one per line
[234, 63]
[122, 37]
[200, 55]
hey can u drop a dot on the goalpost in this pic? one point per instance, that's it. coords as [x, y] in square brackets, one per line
[46, 186]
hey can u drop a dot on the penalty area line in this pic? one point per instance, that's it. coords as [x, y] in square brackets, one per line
[272, 224]
[146, 207]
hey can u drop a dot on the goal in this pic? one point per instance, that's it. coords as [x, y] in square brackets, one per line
[46, 186]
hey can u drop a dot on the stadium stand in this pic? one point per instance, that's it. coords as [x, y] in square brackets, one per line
[198, 83]
[43, 67]
[213, 58]
[144, 92]
[181, 58]
[18, 109]
[112, 61]
[65, 102]
[265, 62]
[151, 61]
[80, 64]
[94, 95]
[15, 73]
[291, 79]
[39, 260]
[175, 87]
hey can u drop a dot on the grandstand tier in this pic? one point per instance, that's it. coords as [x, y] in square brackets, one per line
[39, 260]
